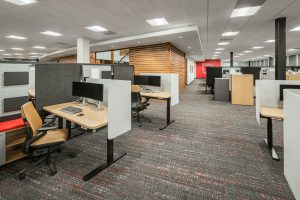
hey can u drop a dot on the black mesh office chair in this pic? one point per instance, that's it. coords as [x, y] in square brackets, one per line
[137, 105]
[41, 140]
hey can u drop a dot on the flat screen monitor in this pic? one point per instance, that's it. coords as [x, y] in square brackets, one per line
[88, 90]
[141, 80]
[154, 81]
[283, 87]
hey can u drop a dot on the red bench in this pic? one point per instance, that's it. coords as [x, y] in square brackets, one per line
[11, 125]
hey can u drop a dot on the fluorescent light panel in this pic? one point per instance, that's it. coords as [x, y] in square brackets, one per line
[157, 21]
[270, 41]
[16, 37]
[220, 49]
[2, 50]
[17, 49]
[96, 28]
[223, 43]
[247, 51]
[39, 47]
[51, 33]
[226, 34]
[247, 11]
[258, 47]
[295, 29]
[21, 2]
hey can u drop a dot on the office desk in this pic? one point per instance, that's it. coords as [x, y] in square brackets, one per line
[271, 113]
[91, 119]
[31, 93]
[165, 96]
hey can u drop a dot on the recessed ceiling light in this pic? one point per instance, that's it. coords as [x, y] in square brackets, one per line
[96, 28]
[292, 49]
[296, 29]
[157, 21]
[51, 33]
[139, 42]
[223, 43]
[247, 11]
[241, 54]
[33, 53]
[16, 37]
[229, 34]
[6, 54]
[258, 47]
[247, 51]
[2, 50]
[258, 57]
[189, 47]
[236, 56]
[270, 41]
[220, 49]
[18, 54]
[21, 2]
[39, 47]
[17, 49]
[267, 55]
[112, 46]
[217, 52]
[180, 37]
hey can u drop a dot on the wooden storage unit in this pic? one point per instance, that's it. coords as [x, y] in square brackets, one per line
[12, 145]
[293, 77]
[242, 90]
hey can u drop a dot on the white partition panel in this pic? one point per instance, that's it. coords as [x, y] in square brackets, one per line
[169, 83]
[292, 140]
[117, 97]
[267, 94]
[94, 71]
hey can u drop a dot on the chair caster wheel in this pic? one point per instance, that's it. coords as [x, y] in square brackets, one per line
[73, 155]
[22, 176]
[53, 172]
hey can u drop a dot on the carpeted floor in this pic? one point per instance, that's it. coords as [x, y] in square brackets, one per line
[214, 150]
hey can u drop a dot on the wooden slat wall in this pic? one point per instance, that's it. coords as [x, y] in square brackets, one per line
[159, 58]
[149, 59]
[178, 66]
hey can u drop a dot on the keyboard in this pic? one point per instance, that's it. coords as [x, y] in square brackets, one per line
[71, 110]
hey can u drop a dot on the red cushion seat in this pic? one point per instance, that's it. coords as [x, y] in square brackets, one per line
[11, 125]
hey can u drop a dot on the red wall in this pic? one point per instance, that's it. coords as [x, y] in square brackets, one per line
[201, 67]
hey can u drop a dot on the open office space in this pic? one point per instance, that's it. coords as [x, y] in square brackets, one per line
[149, 99]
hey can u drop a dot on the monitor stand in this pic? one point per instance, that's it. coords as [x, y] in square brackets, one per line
[98, 106]
[83, 103]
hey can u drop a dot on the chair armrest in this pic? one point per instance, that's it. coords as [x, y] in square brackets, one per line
[45, 129]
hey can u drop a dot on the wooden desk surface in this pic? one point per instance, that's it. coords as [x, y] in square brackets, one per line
[91, 119]
[157, 95]
[272, 112]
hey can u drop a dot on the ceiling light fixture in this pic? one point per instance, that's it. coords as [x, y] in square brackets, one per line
[292, 49]
[6, 54]
[18, 54]
[39, 47]
[247, 11]
[241, 54]
[217, 52]
[16, 37]
[247, 51]
[157, 21]
[267, 55]
[220, 49]
[295, 29]
[189, 47]
[180, 37]
[270, 41]
[258, 47]
[51, 33]
[17, 49]
[21, 2]
[33, 53]
[223, 43]
[226, 34]
[96, 28]
[2, 50]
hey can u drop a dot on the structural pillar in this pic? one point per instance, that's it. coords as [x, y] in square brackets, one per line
[231, 59]
[249, 63]
[280, 48]
[270, 62]
[83, 50]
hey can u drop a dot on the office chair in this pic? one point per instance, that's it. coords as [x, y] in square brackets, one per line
[137, 105]
[41, 141]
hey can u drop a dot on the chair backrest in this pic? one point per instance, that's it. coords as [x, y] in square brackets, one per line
[135, 99]
[32, 117]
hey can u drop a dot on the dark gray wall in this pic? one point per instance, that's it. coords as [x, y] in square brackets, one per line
[53, 83]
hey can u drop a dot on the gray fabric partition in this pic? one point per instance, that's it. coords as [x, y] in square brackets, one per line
[123, 72]
[53, 83]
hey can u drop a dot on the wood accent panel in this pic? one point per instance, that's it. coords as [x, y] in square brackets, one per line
[293, 77]
[178, 65]
[159, 58]
[242, 90]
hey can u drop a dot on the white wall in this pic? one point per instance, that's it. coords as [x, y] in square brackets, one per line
[191, 70]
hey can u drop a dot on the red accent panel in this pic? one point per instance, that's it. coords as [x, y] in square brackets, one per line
[201, 67]
[11, 125]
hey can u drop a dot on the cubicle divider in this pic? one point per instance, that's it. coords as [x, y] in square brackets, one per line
[169, 83]
[268, 94]
[53, 83]
[95, 71]
[117, 98]
[15, 81]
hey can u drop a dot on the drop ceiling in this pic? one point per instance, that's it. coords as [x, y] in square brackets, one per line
[126, 18]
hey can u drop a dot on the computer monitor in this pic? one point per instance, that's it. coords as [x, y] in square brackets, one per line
[283, 87]
[154, 81]
[88, 90]
[141, 80]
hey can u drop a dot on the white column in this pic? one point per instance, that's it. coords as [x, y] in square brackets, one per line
[83, 50]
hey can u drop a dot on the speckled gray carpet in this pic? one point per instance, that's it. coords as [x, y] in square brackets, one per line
[214, 150]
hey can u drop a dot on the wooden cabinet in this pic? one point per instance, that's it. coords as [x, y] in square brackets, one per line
[242, 90]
